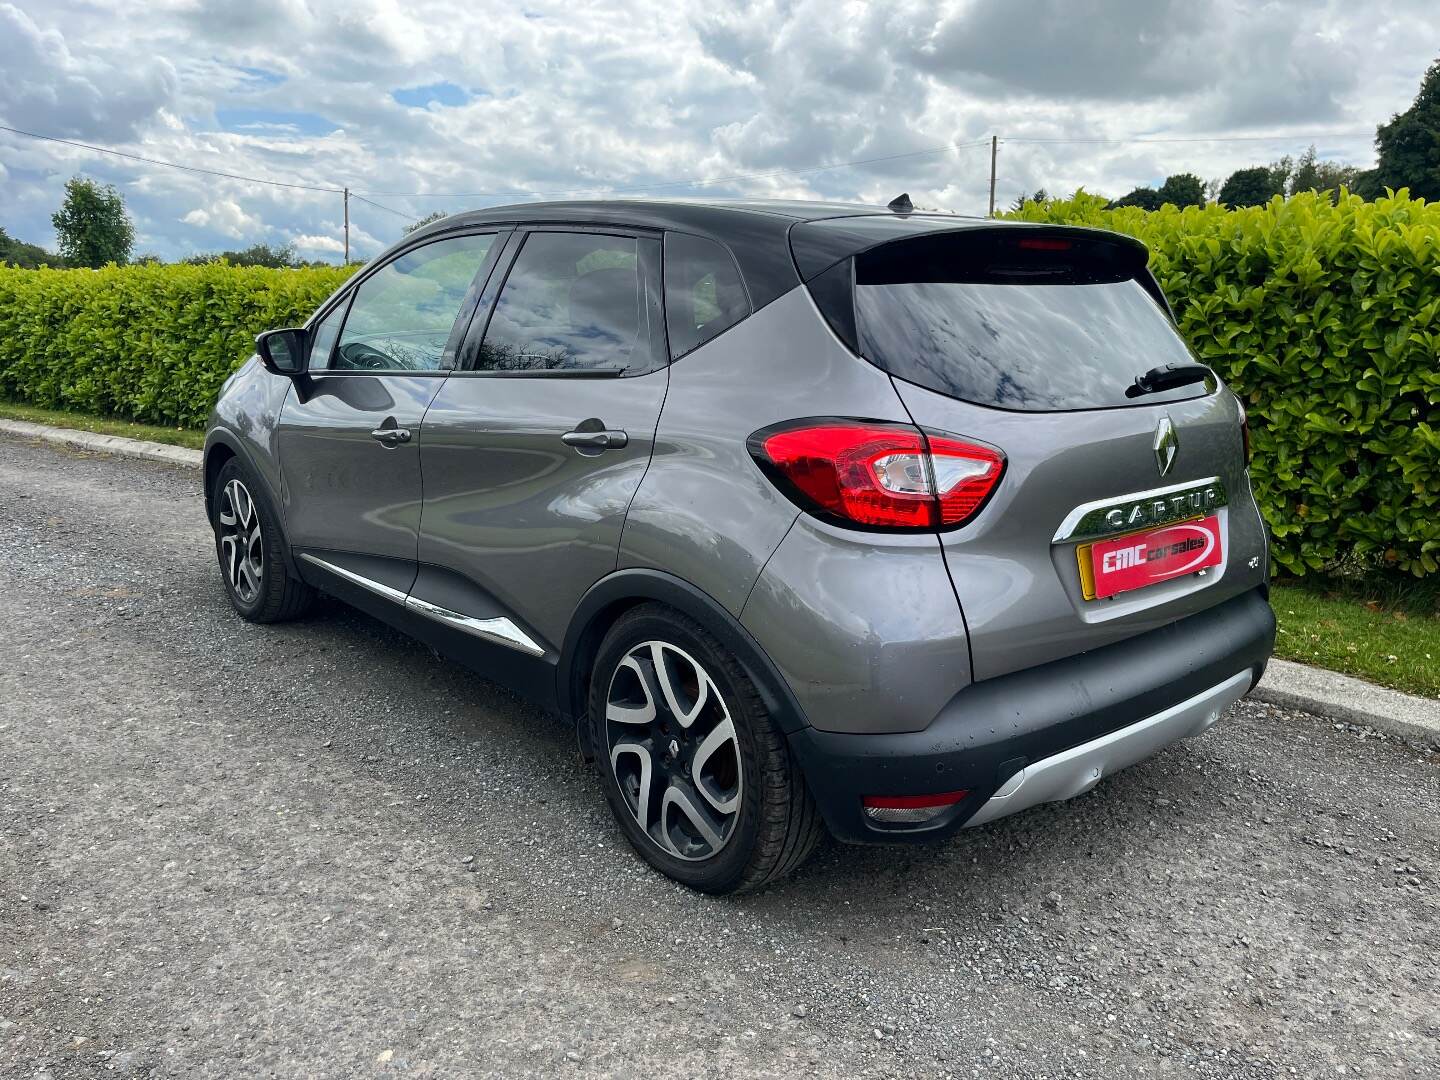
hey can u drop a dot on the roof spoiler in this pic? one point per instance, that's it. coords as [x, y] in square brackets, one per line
[819, 245]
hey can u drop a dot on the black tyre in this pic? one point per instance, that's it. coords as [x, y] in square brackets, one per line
[699, 778]
[248, 545]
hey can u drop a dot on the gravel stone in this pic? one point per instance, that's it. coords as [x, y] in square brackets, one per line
[189, 888]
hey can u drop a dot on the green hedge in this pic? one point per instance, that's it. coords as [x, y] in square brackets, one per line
[1325, 319]
[147, 343]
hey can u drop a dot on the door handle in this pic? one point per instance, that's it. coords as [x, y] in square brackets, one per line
[596, 440]
[391, 436]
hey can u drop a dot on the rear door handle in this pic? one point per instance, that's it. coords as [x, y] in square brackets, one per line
[596, 440]
[391, 436]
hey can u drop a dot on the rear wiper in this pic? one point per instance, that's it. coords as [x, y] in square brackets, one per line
[1167, 378]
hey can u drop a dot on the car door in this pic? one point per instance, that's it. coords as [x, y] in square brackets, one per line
[348, 437]
[534, 449]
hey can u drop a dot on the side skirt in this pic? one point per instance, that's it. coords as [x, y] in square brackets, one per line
[487, 642]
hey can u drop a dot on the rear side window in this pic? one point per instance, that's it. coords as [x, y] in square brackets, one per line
[1031, 324]
[704, 293]
[572, 302]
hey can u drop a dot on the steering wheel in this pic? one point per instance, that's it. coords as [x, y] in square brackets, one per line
[359, 356]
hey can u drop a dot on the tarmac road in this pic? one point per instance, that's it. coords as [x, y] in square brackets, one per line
[318, 850]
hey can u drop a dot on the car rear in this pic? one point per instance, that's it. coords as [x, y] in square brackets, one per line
[1084, 484]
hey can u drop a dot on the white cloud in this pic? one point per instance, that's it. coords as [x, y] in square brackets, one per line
[317, 245]
[226, 217]
[559, 96]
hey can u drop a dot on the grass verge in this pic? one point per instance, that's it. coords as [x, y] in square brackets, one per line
[1385, 630]
[103, 425]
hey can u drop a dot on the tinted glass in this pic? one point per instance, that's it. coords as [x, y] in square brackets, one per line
[1014, 321]
[703, 291]
[402, 315]
[572, 302]
[322, 337]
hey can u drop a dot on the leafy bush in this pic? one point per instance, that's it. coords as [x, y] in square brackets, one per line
[1325, 319]
[147, 343]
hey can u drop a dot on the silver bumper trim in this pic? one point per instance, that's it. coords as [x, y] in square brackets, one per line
[369, 584]
[1077, 770]
[501, 631]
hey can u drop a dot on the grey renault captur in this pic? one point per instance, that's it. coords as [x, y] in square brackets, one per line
[806, 516]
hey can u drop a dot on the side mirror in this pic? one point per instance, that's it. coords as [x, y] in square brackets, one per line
[283, 352]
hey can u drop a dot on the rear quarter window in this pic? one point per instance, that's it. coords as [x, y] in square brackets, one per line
[704, 293]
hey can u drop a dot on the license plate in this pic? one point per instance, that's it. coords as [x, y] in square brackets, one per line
[1131, 562]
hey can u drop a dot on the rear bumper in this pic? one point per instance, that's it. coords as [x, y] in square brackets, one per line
[1040, 734]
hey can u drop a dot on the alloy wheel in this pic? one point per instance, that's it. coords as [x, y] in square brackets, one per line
[242, 551]
[672, 746]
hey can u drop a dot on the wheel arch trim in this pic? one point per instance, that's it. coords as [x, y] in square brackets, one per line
[623, 589]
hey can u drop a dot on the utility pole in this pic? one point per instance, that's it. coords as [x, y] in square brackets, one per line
[994, 144]
[347, 207]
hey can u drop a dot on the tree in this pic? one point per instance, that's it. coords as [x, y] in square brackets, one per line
[1311, 174]
[1147, 198]
[1251, 187]
[1183, 189]
[426, 220]
[27, 256]
[92, 226]
[1280, 172]
[1408, 147]
[282, 257]
[1040, 196]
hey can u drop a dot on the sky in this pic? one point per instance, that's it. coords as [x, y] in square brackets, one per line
[411, 103]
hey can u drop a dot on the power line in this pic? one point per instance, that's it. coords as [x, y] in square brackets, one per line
[611, 189]
[378, 206]
[693, 182]
[690, 182]
[171, 164]
[1201, 139]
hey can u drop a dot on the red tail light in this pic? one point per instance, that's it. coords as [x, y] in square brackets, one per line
[884, 476]
[912, 802]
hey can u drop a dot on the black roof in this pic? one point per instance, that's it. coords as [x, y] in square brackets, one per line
[779, 214]
[777, 243]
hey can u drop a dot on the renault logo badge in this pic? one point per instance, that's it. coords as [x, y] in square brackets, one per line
[1167, 444]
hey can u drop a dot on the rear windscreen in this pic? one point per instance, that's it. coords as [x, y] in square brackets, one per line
[1015, 322]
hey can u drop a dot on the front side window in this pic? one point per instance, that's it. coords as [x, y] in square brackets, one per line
[703, 291]
[322, 337]
[572, 302]
[402, 314]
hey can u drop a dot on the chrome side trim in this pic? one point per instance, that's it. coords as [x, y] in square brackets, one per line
[356, 579]
[1077, 770]
[1158, 506]
[501, 631]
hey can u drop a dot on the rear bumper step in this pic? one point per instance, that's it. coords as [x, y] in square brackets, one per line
[1077, 770]
[1051, 725]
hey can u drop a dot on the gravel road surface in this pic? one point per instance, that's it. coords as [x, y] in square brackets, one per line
[318, 850]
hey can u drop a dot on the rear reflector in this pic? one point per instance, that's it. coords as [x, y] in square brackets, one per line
[909, 809]
[888, 476]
